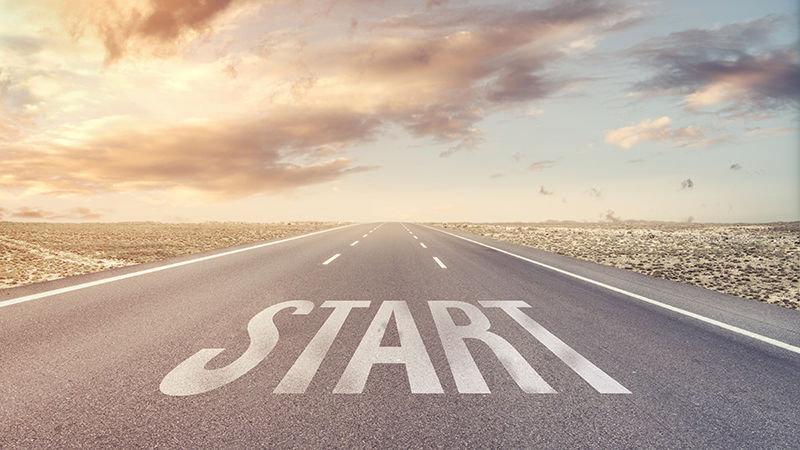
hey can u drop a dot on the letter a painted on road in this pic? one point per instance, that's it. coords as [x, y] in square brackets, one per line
[411, 353]
[468, 378]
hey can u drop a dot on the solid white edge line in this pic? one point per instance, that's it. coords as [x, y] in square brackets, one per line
[423, 245]
[439, 262]
[354, 243]
[76, 287]
[329, 260]
[675, 309]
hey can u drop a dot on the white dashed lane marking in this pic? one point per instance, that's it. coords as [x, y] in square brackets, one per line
[354, 243]
[330, 260]
[439, 262]
[423, 245]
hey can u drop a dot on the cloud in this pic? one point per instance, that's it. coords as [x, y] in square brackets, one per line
[435, 73]
[225, 159]
[736, 166]
[544, 191]
[729, 67]
[41, 214]
[126, 27]
[539, 165]
[438, 73]
[658, 130]
[594, 192]
[497, 175]
[771, 131]
[534, 112]
[687, 184]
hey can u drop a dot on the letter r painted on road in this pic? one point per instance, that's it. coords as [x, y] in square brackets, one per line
[467, 376]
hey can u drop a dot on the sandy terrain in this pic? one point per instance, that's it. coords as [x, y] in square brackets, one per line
[33, 252]
[760, 262]
[755, 261]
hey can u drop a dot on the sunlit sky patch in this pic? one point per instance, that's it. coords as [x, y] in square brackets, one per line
[175, 110]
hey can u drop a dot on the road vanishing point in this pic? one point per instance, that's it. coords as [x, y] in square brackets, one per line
[392, 335]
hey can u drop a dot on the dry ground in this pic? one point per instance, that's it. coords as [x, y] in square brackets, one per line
[755, 261]
[33, 252]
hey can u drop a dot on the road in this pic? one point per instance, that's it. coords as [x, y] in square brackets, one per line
[392, 335]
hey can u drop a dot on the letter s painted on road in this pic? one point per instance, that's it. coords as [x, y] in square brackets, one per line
[191, 377]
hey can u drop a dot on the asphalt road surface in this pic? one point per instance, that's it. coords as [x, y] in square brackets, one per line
[392, 335]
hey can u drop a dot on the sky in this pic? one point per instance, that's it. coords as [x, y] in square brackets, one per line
[353, 110]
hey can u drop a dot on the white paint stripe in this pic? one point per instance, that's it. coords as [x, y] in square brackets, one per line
[440, 263]
[364, 236]
[354, 243]
[416, 237]
[675, 309]
[76, 287]
[330, 260]
[423, 245]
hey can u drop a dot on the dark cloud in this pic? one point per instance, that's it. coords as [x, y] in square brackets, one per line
[459, 64]
[687, 184]
[730, 67]
[41, 214]
[544, 191]
[736, 166]
[123, 28]
[225, 160]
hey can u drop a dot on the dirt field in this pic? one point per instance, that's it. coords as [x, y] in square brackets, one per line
[760, 261]
[755, 261]
[33, 252]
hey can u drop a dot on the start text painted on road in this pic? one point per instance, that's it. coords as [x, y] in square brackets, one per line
[191, 377]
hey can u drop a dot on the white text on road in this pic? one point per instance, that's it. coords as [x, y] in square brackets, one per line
[191, 376]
